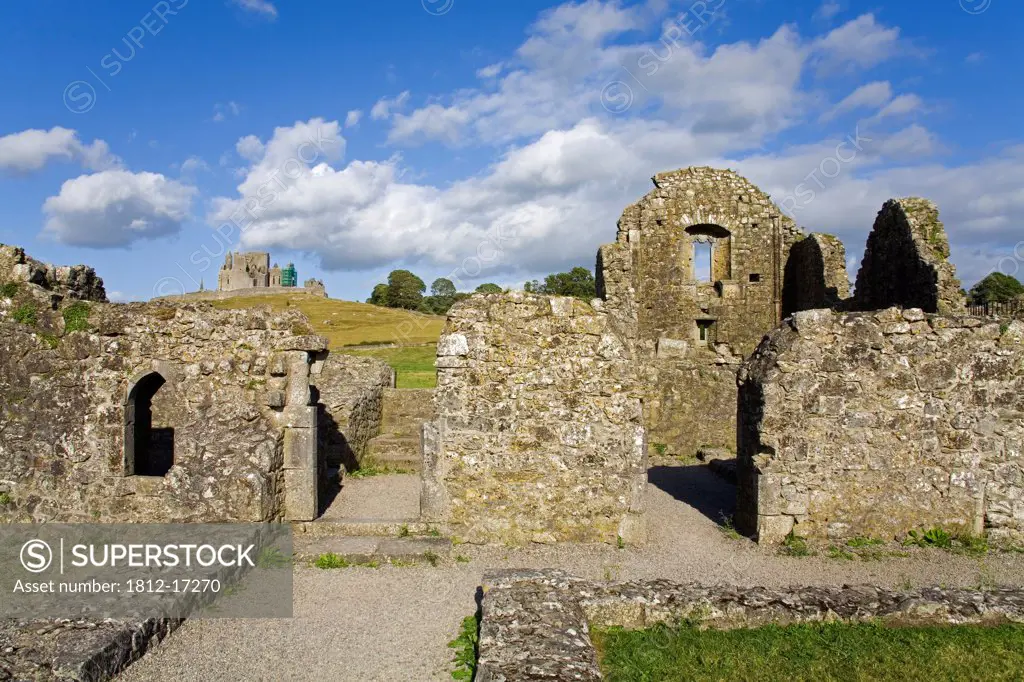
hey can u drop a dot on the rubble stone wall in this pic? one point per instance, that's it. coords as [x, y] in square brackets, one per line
[875, 424]
[815, 275]
[538, 435]
[351, 391]
[906, 261]
[237, 397]
[65, 281]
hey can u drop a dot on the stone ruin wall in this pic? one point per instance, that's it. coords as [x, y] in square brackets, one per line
[648, 280]
[538, 433]
[906, 262]
[61, 281]
[351, 396]
[237, 396]
[874, 424]
[815, 275]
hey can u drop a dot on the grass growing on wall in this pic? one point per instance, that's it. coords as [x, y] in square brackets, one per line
[817, 653]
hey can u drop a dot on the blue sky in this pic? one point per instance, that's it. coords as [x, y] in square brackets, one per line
[487, 141]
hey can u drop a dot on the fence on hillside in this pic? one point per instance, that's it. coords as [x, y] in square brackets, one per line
[1008, 309]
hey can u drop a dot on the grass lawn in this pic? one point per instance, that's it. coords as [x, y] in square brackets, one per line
[347, 325]
[414, 365]
[813, 652]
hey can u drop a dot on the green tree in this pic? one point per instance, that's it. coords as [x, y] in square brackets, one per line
[578, 282]
[405, 290]
[442, 296]
[379, 295]
[489, 288]
[996, 288]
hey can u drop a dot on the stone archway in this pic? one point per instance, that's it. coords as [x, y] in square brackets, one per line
[148, 449]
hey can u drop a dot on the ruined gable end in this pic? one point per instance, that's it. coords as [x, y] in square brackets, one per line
[906, 262]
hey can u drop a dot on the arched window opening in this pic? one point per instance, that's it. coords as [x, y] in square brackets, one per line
[148, 445]
[711, 253]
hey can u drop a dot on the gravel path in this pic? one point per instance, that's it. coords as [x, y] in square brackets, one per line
[395, 497]
[393, 623]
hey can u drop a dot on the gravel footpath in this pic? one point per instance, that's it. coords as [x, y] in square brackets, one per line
[391, 623]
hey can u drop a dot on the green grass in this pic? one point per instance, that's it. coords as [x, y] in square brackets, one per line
[5, 499]
[413, 365]
[349, 325]
[728, 528]
[331, 560]
[817, 653]
[466, 648]
[795, 546]
[8, 289]
[76, 317]
[370, 469]
[26, 314]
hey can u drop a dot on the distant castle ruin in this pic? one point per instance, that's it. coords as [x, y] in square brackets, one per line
[251, 270]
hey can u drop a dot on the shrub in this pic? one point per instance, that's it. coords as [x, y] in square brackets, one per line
[8, 289]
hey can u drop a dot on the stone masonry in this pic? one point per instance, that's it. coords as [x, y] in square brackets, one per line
[692, 323]
[538, 435]
[874, 424]
[231, 416]
[906, 261]
[351, 395]
[62, 281]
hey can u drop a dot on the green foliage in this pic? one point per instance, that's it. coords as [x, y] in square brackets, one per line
[728, 528]
[369, 469]
[466, 648]
[5, 499]
[443, 288]
[431, 558]
[26, 313]
[50, 340]
[619, 542]
[660, 448]
[403, 532]
[578, 282]
[405, 290]
[839, 553]
[379, 295]
[812, 652]
[76, 317]
[795, 546]
[933, 537]
[8, 289]
[489, 288]
[272, 557]
[331, 560]
[996, 288]
[413, 365]
[462, 558]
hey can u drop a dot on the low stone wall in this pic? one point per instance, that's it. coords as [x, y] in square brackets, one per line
[874, 424]
[538, 434]
[235, 400]
[198, 296]
[536, 624]
[351, 391]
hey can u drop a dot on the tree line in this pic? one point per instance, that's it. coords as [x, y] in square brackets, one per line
[405, 290]
[995, 288]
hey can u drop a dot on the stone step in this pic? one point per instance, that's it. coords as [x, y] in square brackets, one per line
[366, 528]
[397, 451]
[366, 549]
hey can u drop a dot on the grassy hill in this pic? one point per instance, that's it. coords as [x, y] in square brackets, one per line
[348, 325]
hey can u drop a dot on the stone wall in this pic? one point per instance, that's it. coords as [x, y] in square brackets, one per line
[236, 395]
[538, 434]
[351, 393]
[692, 334]
[906, 261]
[64, 281]
[874, 424]
[815, 275]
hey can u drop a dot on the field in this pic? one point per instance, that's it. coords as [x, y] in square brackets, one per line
[348, 325]
[813, 652]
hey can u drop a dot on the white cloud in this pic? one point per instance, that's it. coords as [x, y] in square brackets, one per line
[491, 71]
[861, 44]
[353, 117]
[116, 208]
[901, 106]
[975, 58]
[191, 166]
[32, 149]
[249, 148]
[828, 10]
[868, 96]
[222, 111]
[384, 106]
[261, 7]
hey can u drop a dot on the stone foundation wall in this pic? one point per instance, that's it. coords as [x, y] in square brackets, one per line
[538, 434]
[874, 424]
[236, 395]
[351, 391]
[906, 261]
